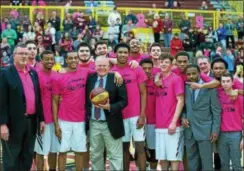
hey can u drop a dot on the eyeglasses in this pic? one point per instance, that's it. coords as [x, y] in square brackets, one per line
[29, 48]
[22, 53]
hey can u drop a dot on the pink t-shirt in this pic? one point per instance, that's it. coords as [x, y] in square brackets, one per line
[232, 113]
[166, 100]
[29, 90]
[38, 66]
[90, 65]
[138, 57]
[132, 79]
[150, 108]
[179, 73]
[45, 82]
[155, 71]
[71, 87]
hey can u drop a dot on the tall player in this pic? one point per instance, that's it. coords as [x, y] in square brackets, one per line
[47, 144]
[134, 113]
[169, 105]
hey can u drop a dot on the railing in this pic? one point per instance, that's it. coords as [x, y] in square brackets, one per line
[237, 5]
[211, 18]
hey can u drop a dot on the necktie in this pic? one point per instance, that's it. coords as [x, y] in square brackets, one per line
[193, 96]
[98, 110]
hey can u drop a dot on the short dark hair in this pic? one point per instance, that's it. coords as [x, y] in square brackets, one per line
[193, 66]
[155, 45]
[182, 53]
[228, 75]
[146, 61]
[46, 52]
[84, 44]
[71, 52]
[30, 42]
[100, 43]
[121, 45]
[164, 56]
[219, 60]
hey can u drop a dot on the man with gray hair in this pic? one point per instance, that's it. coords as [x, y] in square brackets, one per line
[106, 122]
[20, 112]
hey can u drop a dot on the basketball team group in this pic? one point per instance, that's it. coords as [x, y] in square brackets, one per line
[172, 112]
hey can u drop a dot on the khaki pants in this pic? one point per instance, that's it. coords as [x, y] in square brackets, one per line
[100, 137]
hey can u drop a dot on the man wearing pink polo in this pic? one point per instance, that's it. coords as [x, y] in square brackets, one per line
[231, 128]
[47, 144]
[169, 105]
[69, 113]
[147, 65]
[20, 112]
[134, 113]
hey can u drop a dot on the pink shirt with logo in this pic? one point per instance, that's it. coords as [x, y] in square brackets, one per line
[166, 100]
[71, 87]
[150, 107]
[45, 82]
[29, 90]
[132, 79]
[232, 113]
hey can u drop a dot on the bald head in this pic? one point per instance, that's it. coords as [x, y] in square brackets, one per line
[102, 66]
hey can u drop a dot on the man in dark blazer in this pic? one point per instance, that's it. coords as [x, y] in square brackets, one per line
[20, 112]
[106, 122]
[201, 120]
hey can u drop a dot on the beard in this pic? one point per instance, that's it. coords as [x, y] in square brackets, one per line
[85, 60]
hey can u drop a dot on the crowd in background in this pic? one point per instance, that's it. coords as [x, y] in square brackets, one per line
[78, 27]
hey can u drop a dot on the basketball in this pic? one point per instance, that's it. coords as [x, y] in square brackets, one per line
[99, 96]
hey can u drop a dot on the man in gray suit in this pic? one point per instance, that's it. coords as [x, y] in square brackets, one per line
[201, 120]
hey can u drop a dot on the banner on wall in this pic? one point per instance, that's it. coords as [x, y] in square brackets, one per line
[199, 22]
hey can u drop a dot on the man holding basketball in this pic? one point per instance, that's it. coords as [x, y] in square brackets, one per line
[106, 122]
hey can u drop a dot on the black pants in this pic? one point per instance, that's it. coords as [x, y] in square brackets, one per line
[19, 149]
[230, 37]
[240, 34]
[157, 37]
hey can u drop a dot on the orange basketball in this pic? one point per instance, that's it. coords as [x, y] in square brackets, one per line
[99, 96]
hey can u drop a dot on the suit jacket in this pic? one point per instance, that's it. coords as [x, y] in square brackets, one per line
[12, 100]
[118, 101]
[203, 115]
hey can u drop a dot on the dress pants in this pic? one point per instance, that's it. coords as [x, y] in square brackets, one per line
[18, 151]
[100, 138]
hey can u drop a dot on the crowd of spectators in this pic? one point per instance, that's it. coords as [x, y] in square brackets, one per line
[78, 27]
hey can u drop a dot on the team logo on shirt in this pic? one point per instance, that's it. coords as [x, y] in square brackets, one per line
[162, 91]
[229, 109]
[75, 84]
